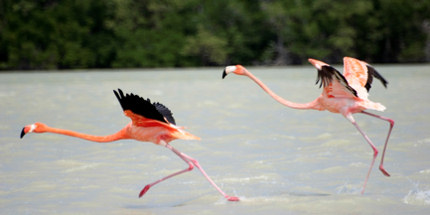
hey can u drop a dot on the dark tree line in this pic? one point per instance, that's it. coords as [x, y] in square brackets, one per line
[63, 34]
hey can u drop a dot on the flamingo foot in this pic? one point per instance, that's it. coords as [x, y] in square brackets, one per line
[144, 190]
[232, 198]
[384, 171]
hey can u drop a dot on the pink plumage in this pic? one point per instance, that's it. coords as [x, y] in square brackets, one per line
[346, 94]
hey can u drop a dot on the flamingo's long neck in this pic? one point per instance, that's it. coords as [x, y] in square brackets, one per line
[311, 105]
[102, 139]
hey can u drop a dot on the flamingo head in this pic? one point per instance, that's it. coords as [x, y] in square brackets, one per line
[238, 70]
[36, 128]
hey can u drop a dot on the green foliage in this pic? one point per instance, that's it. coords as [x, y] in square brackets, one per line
[206, 47]
[51, 34]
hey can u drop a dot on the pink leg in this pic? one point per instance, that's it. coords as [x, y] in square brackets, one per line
[375, 150]
[146, 188]
[192, 162]
[381, 165]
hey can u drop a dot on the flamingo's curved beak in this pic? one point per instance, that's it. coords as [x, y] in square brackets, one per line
[23, 132]
[224, 74]
[26, 129]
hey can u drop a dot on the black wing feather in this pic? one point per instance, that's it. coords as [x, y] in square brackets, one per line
[144, 107]
[371, 72]
[326, 74]
[165, 112]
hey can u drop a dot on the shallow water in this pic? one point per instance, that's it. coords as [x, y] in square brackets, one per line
[277, 160]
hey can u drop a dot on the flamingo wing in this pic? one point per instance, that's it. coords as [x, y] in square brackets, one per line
[141, 121]
[371, 72]
[335, 85]
[144, 108]
[361, 74]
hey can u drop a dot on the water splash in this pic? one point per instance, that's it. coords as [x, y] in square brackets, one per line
[347, 188]
[417, 196]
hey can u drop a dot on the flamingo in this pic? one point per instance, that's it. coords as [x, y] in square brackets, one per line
[345, 94]
[150, 122]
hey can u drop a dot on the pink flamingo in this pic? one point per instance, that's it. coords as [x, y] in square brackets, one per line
[345, 94]
[150, 122]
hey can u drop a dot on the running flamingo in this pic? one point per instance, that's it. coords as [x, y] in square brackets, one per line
[150, 122]
[345, 94]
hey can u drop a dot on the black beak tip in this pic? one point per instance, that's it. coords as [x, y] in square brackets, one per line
[224, 74]
[22, 133]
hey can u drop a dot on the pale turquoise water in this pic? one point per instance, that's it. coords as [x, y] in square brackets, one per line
[278, 160]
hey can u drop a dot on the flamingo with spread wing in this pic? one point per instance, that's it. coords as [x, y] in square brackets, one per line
[346, 94]
[150, 122]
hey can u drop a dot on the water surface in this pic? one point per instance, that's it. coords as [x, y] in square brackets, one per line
[278, 160]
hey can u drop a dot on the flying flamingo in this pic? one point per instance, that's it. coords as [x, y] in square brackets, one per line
[150, 122]
[345, 94]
